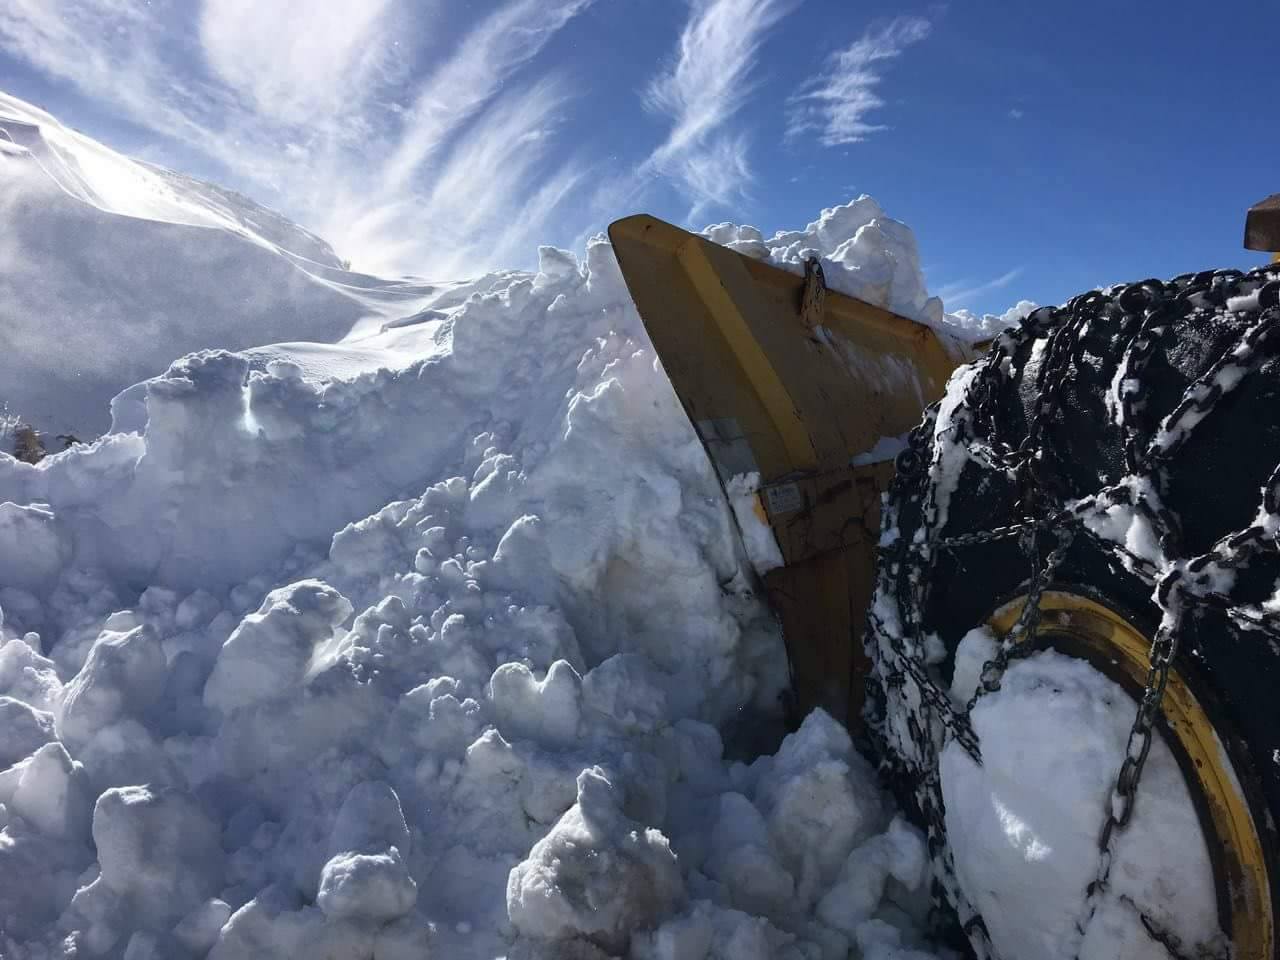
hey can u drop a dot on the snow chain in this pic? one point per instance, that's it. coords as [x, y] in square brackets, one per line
[1146, 311]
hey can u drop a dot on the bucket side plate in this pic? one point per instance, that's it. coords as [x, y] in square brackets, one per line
[813, 409]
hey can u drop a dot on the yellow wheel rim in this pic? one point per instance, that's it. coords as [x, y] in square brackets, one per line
[1230, 831]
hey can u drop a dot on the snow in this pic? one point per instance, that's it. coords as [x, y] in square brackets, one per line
[425, 630]
[390, 619]
[970, 327]
[864, 253]
[596, 875]
[1024, 825]
[366, 877]
[871, 256]
[743, 491]
[886, 448]
[950, 457]
[1126, 526]
[111, 268]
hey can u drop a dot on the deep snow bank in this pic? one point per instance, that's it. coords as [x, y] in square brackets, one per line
[429, 643]
[110, 269]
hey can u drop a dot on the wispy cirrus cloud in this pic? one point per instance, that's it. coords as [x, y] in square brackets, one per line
[835, 102]
[709, 82]
[495, 49]
[328, 107]
[297, 62]
[958, 294]
[112, 45]
[486, 200]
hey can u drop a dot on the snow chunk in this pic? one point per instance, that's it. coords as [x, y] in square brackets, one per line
[274, 924]
[23, 730]
[744, 859]
[879, 940]
[53, 793]
[366, 877]
[369, 820]
[757, 536]
[596, 874]
[629, 690]
[546, 710]
[367, 886]
[1129, 527]
[710, 932]
[886, 448]
[271, 649]
[198, 930]
[971, 328]
[157, 849]
[31, 549]
[125, 753]
[899, 853]
[820, 799]
[430, 720]
[27, 676]
[864, 254]
[122, 677]
[975, 650]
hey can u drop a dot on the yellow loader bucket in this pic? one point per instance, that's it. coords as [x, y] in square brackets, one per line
[781, 378]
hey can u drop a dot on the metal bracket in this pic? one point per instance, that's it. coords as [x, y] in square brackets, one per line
[815, 294]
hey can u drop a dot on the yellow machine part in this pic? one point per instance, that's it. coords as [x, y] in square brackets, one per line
[1102, 636]
[774, 389]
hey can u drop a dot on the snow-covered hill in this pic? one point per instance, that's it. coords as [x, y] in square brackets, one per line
[111, 268]
[424, 632]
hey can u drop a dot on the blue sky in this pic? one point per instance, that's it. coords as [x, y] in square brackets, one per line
[1036, 149]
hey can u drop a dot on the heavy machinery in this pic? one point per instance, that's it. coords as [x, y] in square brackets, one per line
[1102, 481]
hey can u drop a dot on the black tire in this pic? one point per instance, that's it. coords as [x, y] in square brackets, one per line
[1040, 399]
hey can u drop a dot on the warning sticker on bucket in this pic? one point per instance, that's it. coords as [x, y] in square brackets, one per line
[784, 498]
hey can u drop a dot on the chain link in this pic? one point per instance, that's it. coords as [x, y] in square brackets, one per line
[1020, 640]
[1256, 347]
[1124, 791]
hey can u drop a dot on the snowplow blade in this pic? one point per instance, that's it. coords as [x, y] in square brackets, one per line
[815, 408]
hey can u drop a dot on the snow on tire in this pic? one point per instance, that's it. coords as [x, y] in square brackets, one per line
[1115, 459]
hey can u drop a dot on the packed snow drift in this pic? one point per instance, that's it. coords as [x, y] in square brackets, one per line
[426, 632]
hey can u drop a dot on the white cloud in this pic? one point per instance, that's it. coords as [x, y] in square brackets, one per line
[957, 294]
[109, 49]
[305, 97]
[294, 60]
[718, 171]
[707, 85]
[501, 44]
[1015, 113]
[487, 201]
[836, 101]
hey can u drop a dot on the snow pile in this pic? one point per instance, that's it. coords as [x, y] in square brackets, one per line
[971, 328]
[435, 641]
[864, 253]
[1024, 825]
[868, 255]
